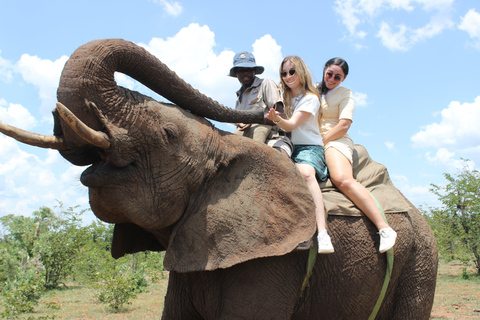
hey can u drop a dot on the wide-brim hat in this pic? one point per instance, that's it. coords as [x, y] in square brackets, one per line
[245, 60]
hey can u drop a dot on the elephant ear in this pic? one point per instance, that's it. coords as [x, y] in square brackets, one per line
[257, 205]
[130, 238]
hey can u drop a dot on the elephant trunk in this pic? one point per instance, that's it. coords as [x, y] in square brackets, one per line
[159, 78]
[90, 72]
[88, 78]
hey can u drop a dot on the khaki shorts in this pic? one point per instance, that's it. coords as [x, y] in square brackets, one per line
[344, 145]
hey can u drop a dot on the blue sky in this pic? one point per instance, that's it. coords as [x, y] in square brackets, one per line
[414, 70]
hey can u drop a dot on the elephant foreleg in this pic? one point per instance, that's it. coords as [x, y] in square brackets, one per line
[177, 301]
[264, 289]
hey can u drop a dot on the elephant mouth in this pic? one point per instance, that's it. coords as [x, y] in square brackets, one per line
[104, 173]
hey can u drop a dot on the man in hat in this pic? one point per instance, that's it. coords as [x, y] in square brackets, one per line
[256, 92]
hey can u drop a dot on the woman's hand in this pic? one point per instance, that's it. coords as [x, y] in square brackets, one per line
[338, 131]
[296, 120]
[274, 115]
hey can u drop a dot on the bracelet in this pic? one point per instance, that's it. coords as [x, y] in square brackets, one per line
[277, 122]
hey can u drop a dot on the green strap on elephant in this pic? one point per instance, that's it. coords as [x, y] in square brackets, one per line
[312, 256]
[388, 272]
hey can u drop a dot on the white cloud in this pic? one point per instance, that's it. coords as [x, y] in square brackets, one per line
[436, 25]
[436, 5]
[17, 116]
[172, 8]
[269, 55]
[390, 145]
[445, 158]
[458, 128]
[45, 75]
[395, 41]
[28, 181]
[405, 37]
[471, 24]
[417, 195]
[349, 13]
[190, 53]
[455, 136]
[365, 13]
[360, 99]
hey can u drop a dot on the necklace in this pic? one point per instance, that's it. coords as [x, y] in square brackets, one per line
[296, 100]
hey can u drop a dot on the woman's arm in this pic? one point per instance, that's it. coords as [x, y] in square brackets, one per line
[338, 131]
[297, 119]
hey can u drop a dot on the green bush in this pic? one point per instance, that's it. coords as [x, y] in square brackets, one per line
[52, 248]
[117, 291]
[22, 294]
[94, 257]
[456, 224]
[154, 265]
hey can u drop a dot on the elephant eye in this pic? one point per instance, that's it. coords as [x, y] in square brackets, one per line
[169, 131]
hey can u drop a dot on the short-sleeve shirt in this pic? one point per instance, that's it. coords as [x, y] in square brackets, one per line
[308, 132]
[336, 104]
[262, 92]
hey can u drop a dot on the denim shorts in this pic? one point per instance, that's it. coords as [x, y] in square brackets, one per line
[314, 156]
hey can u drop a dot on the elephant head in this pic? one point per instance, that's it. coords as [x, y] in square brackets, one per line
[163, 174]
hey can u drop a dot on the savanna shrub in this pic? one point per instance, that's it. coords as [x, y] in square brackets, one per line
[118, 290]
[22, 294]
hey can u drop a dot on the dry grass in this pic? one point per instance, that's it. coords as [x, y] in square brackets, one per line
[79, 303]
[455, 298]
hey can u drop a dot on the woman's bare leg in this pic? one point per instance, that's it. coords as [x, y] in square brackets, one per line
[341, 174]
[308, 173]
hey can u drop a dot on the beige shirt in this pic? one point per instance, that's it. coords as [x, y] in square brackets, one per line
[337, 104]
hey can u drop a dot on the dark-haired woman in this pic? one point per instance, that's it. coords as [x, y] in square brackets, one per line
[337, 107]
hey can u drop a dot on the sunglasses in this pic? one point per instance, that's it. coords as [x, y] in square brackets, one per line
[337, 77]
[284, 73]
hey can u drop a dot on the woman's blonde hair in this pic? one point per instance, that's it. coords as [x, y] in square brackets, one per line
[306, 82]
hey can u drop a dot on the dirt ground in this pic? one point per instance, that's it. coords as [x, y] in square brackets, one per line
[455, 297]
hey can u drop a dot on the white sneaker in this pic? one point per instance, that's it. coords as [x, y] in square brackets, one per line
[387, 239]
[324, 242]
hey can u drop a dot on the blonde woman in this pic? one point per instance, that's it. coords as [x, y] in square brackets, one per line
[302, 107]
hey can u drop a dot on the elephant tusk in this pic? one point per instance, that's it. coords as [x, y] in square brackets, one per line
[96, 138]
[33, 139]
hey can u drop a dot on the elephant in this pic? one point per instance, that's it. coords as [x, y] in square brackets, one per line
[227, 210]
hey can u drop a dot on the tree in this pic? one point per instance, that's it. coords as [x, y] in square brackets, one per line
[117, 290]
[22, 293]
[457, 223]
[58, 244]
[94, 258]
[21, 232]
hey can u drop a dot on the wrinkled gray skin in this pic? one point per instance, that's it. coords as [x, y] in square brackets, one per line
[227, 210]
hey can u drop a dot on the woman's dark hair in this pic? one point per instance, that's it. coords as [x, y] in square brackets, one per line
[334, 61]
